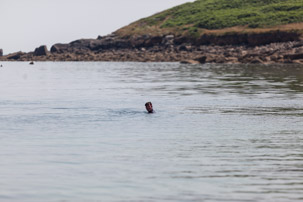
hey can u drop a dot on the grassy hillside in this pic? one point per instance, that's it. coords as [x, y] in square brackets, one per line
[194, 18]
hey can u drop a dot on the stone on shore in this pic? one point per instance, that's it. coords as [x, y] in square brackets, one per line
[202, 59]
[15, 56]
[190, 62]
[41, 51]
[164, 48]
[59, 48]
[294, 56]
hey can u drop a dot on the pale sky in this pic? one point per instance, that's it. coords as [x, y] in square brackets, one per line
[27, 24]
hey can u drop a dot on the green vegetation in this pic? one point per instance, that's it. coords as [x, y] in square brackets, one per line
[222, 17]
[219, 14]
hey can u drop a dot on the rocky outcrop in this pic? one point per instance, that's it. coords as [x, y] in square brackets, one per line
[41, 51]
[171, 48]
[103, 43]
[115, 42]
[15, 56]
[250, 39]
[59, 48]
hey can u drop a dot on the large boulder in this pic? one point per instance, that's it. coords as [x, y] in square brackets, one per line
[82, 43]
[108, 42]
[1, 52]
[15, 56]
[59, 48]
[202, 59]
[41, 51]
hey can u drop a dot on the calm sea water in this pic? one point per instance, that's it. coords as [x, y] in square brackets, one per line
[79, 132]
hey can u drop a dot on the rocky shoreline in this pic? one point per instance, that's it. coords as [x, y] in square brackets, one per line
[166, 49]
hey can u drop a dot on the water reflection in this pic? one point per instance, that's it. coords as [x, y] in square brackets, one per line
[218, 79]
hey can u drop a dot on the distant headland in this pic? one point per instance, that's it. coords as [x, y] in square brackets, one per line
[205, 31]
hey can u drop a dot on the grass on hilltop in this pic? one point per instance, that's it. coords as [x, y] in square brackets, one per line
[194, 18]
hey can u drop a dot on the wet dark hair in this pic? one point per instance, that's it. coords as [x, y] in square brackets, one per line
[148, 103]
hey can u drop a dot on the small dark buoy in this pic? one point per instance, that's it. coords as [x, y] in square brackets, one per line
[31, 63]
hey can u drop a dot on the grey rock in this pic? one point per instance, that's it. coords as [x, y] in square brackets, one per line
[41, 51]
[294, 56]
[82, 43]
[59, 48]
[15, 56]
[202, 59]
[169, 37]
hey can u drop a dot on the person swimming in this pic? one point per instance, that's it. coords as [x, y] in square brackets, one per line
[149, 107]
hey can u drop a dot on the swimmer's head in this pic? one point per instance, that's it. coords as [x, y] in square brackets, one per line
[149, 107]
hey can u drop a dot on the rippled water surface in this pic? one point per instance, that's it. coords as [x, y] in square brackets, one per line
[79, 132]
